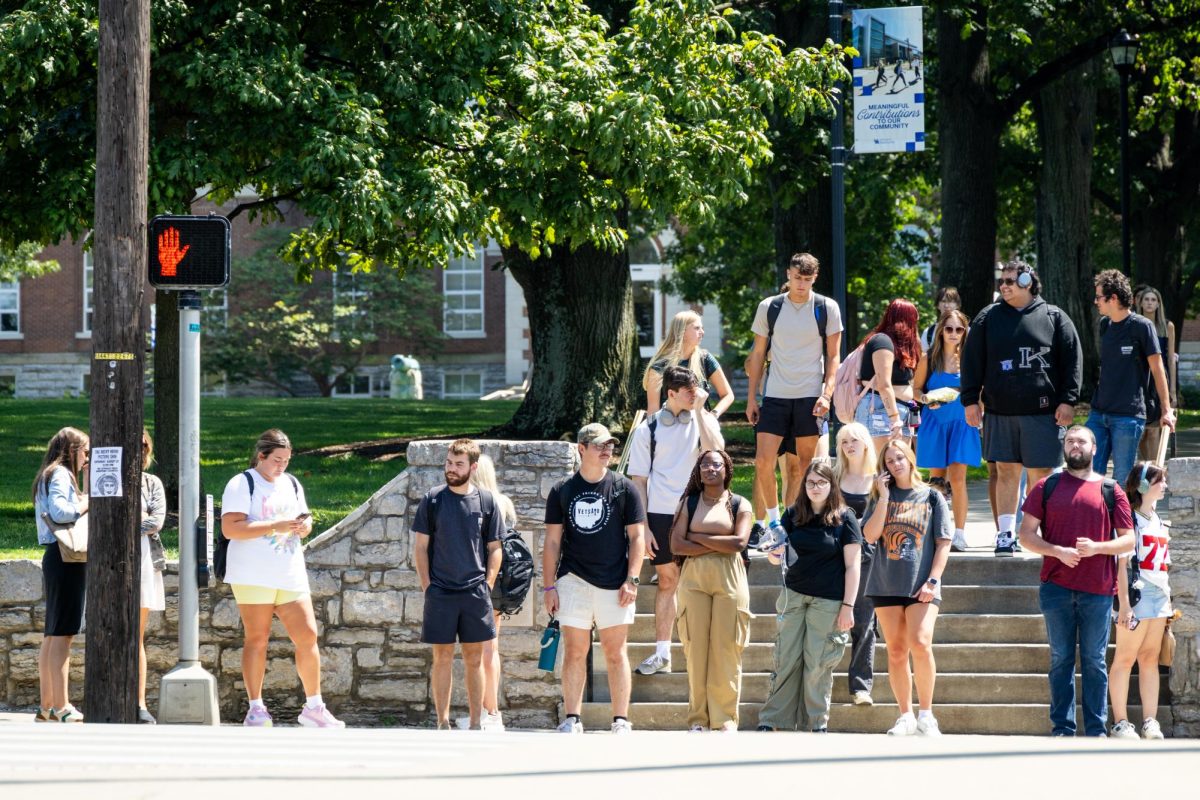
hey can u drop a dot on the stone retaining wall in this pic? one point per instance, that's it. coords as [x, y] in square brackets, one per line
[1183, 475]
[368, 605]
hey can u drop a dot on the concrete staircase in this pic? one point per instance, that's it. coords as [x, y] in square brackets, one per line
[990, 645]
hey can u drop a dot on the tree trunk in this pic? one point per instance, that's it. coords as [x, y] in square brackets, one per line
[1066, 114]
[118, 342]
[166, 393]
[583, 341]
[969, 129]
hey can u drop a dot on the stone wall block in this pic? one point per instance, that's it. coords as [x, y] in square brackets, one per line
[373, 530]
[401, 579]
[333, 611]
[394, 688]
[330, 554]
[20, 582]
[372, 608]
[394, 504]
[225, 615]
[397, 528]
[383, 554]
[414, 607]
[337, 671]
[368, 658]
[13, 620]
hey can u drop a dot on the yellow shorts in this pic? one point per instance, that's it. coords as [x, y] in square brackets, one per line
[264, 595]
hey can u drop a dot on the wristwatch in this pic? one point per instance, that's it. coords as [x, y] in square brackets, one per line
[634, 579]
[932, 581]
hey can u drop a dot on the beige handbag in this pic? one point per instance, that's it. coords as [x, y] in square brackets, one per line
[72, 538]
[1166, 653]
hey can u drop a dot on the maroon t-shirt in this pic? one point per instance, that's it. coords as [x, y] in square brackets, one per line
[1076, 510]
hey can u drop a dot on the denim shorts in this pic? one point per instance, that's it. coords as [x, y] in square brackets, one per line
[873, 415]
[1155, 603]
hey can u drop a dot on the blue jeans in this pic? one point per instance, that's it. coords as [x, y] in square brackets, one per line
[1071, 617]
[1118, 437]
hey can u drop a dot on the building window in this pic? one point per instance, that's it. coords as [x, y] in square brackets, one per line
[462, 292]
[10, 307]
[462, 385]
[88, 264]
[353, 385]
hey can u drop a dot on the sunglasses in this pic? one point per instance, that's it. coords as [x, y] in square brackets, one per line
[951, 329]
[1007, 281]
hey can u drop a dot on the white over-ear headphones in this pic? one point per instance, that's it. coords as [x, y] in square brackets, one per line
[1024, 276]
[1143, 484]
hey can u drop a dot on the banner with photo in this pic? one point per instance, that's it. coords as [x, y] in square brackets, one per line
[889, 80]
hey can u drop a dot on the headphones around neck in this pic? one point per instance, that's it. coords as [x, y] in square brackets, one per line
[668, 419]
[1143, 484]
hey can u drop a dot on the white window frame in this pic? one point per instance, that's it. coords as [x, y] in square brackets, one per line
[89, 269]
[352, 394]
[462, 267]
[651, 274]
[12, 289]
[462, 373]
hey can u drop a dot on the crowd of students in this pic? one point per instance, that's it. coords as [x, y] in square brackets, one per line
[862, 537]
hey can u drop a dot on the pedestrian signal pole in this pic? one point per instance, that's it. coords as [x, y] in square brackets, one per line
[188, 254]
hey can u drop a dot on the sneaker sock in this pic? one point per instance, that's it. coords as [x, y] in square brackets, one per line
[257, 703]
[960, 533]
[615, 719]
[663, 650]
[1007, 523]
[773, 514]
[574, 717]
[314, 702]
[762, 523]
[924, 714]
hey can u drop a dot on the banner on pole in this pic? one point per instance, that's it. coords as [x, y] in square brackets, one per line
[889, 80]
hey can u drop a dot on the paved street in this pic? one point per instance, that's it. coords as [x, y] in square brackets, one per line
[100, 761]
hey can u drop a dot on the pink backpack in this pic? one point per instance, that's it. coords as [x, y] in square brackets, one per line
[847, 389]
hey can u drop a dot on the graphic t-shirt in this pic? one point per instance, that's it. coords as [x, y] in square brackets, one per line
[820, 566]
[916, 519]
[594, 515]
[1153, 549]
[1124, 348]
[1076, 510]
[276, 560]
[797, 363]
[676, 448]
[457, 538]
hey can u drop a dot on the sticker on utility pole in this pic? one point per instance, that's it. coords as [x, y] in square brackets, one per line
[105, 466]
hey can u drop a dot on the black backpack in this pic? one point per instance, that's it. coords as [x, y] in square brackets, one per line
[516, 565]
[820, 312]
[221, 544]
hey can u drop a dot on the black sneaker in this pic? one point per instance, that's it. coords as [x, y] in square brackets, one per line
[756, 534]
[1006, 544]
[765, 729]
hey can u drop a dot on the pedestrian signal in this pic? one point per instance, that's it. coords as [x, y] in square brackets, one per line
[189, 252]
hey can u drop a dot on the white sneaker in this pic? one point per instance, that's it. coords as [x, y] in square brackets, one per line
[905, 726]
[491, 722]
[654, 663]
[697, 729]
[570, 725]
[621, 726]
[959, 543]
[1124, 730]
[928, 726]
[463, 723]
[863, 698]
[1151, 729]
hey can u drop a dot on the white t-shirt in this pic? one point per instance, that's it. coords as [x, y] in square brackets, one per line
[797, 366]
[275, 561]
[676, 449]
[1153, 549]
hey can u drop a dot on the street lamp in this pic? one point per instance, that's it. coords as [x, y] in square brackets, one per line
[1123, 48]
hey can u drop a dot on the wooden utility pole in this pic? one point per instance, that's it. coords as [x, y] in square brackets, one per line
[118, 345]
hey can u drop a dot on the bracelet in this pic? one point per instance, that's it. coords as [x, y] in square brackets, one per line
[550, 589]
[848, 605]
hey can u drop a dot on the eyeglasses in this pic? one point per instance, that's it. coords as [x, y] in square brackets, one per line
[949, 329]
[816, 484]
[1007, 281]
[712, 467]
[607, 447]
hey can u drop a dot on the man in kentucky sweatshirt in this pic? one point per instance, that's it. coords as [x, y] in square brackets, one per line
[1023, 360]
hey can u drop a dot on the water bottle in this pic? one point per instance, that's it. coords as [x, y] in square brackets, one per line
[550, 639]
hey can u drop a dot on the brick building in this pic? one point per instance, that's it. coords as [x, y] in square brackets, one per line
[45, 325]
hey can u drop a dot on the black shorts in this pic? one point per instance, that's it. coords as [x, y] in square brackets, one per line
[788, 418]
[66, 586]
[463, 616]
[660, 529]
[887, 601]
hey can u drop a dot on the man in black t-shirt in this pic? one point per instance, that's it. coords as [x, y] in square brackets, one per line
[595, 528]
[456, 552]
[1129, 352]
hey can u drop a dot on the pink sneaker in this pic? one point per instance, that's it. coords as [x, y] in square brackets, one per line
[318, 717]
[258, 718]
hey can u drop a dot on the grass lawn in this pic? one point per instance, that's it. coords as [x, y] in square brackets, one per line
[229, 427]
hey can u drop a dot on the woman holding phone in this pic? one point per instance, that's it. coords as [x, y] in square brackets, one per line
[265, 516]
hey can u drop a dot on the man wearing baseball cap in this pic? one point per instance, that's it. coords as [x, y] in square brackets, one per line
[595, 524]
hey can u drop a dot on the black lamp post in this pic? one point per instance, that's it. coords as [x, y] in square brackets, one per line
[1123, 49]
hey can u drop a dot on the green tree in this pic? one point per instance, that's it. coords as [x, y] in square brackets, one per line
[281, 328]
[21, 262]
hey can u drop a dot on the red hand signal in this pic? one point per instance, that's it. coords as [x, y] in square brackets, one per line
[169, 254]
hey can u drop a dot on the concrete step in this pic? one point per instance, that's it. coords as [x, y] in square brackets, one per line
[974, 568]
[970, 658]
[951, 628]
[1031, 719]
[970, 688]
[957, 599]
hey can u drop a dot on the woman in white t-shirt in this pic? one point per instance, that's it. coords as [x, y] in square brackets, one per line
[1140, 628]
[151, 590]
[265, 516]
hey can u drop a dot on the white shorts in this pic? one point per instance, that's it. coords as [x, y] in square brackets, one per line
[580, 603]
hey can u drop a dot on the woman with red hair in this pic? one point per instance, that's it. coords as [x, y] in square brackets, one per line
[890, 355]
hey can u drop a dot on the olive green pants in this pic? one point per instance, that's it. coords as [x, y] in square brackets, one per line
[714, 627]
[807, 648]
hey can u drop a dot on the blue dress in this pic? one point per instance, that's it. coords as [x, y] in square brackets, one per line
[945, 437]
